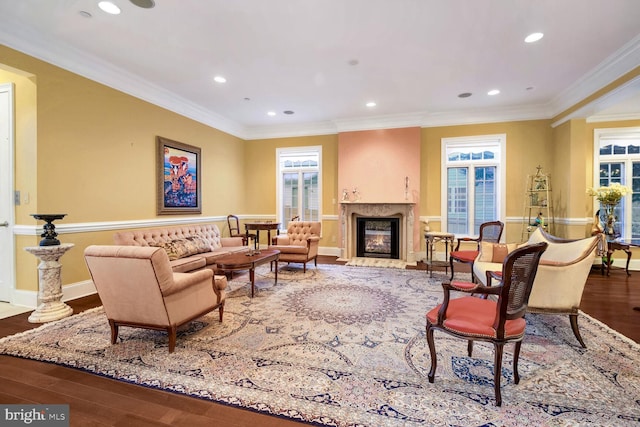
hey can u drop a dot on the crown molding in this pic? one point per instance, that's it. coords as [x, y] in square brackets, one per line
[607, 100]
[60, 54]
[613, 117]
[291, 130]
[625, 59]
[487, 115]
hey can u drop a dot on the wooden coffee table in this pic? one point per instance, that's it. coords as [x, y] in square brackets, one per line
[244, 261]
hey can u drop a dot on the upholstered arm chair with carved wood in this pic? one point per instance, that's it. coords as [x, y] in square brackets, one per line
[138, 288]
[300, 244]
[561, 278]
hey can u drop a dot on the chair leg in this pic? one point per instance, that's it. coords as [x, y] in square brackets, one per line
[304, 267]
[114, 331]
[221, 311]
[173, 332]
[432, 352]
[470, 347]
[516, 356]
[573, 318]
[497, 372]
[451, 266]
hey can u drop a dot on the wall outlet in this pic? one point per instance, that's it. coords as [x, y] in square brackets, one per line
[16, 198]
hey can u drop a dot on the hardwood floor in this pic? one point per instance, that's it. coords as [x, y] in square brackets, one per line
[99, 401]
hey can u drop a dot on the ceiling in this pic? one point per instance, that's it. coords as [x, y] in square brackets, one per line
[325, 59]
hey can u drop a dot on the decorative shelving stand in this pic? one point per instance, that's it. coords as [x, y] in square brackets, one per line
[538, 204]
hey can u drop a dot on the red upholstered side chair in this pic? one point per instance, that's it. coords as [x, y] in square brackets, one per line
[489, 232]
[497, 321]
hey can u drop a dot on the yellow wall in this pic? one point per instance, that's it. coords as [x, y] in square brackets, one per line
[94, 158]
[260, 175]
[528, 145]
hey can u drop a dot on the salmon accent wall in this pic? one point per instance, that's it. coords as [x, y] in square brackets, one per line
[384, 166]
[377, 163]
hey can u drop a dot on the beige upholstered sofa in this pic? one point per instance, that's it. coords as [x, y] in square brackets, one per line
[189, 247]
[562, 274]
[138, 288]
[300, 244]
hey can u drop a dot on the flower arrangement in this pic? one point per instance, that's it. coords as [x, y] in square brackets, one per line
[610, 195]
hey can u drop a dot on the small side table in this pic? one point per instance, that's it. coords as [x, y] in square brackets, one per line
[433, 237]
[50, 305]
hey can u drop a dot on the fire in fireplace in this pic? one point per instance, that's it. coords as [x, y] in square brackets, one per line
[378, 237]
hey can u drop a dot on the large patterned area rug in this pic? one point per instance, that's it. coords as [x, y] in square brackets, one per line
[345, 346]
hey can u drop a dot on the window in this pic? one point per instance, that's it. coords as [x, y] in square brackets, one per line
[617, 159]
[473, 182]
[299, 191]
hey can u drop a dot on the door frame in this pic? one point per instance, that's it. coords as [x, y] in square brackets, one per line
[7, 210]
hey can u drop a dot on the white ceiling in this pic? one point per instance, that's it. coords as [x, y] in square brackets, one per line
[414, 58]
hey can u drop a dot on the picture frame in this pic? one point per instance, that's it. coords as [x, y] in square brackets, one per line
[179, 184]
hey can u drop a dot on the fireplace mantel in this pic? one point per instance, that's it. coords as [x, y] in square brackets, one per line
[349, 211]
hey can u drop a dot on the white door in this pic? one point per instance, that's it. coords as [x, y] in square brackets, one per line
[7, 251]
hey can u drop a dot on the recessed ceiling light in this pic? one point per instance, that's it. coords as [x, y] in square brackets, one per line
[219, 79]
[109, 7]
[288, 112]
[85, 14]
[533, 37]
[271, 113]
[371, 104]
[145, 4]
[493, 92]
[464, 95]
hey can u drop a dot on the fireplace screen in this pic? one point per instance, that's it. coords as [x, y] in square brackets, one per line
[378, 237]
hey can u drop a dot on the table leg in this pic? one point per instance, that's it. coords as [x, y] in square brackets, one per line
[609, 252]
[429, 257]
[628, 252]
[446, 254]
[257, 242]
[276, 278]
[252, 278]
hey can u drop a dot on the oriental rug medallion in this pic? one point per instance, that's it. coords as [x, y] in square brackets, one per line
[345, 346]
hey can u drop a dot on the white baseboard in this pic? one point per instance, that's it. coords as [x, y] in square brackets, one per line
[69, 292]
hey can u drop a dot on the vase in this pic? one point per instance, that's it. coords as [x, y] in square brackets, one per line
[609, 220]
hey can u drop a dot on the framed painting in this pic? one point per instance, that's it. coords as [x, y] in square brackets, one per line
[178, 177]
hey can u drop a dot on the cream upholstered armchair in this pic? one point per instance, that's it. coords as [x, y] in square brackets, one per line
[138, 288]
[562, 275]
[300, 244]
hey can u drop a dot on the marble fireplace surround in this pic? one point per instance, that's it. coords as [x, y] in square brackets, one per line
[349, 211]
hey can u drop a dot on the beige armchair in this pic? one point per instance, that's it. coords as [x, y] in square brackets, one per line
[300, 244]
[562, 275]
[138, 288]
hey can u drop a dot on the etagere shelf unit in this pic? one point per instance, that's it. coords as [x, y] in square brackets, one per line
[538, 204]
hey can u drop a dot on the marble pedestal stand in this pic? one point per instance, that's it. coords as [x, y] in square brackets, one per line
[50, 302]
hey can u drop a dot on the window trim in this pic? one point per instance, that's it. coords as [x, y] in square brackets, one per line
[632, 132]
[296, 150]
[501, 141]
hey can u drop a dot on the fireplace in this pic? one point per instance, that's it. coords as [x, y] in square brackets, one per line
[378, 237]
[350, 212]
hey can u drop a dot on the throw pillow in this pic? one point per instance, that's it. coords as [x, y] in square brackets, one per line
[200, 244]
[495, 252]
[180, 248]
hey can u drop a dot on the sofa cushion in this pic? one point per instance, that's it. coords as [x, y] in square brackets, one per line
[185, 265]
[495, 252]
